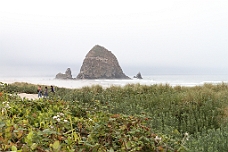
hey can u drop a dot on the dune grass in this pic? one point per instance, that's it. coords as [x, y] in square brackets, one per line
[185, 118]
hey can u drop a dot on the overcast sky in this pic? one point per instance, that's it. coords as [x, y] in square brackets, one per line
[153, 37]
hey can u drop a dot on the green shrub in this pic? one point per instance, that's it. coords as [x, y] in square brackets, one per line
[171, 112]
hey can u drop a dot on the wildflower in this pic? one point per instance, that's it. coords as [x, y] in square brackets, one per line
[51, 126]
[90, 119]
[3, 110]
[58, 119]
[65, 120]
[5, 102]
[157, 139]
[7, 106]
[185, 134]
[61, 114]
[55, 117]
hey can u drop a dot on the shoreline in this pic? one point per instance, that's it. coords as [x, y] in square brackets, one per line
[172, 80]
[77, 84]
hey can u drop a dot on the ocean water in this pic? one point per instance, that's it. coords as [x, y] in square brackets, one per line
[173, 80]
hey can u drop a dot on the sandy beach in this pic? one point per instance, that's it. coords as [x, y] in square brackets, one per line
[61, 83]
[28, 96]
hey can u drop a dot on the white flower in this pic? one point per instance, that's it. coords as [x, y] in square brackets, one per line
[58, 119]
[61, 114]
[90, 119]
[3, 110]
[65, 120]
[51, 127]
[186, 134]
[5, 102]
[7, 106]
[55, 117]
[58, 116]
[157, 139]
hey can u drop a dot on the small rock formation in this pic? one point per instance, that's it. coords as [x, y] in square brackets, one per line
[100, 63]
[138, 76]
[67, 75]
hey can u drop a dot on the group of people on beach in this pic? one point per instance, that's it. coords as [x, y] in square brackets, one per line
[45, 93]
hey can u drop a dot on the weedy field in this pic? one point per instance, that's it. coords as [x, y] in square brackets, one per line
[133, 118]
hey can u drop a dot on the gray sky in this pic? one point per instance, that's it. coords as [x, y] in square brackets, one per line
[153, 37]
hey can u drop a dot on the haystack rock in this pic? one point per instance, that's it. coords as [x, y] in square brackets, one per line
[100, 63]
[67, 75]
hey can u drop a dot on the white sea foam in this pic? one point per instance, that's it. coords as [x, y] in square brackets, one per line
[173, 80]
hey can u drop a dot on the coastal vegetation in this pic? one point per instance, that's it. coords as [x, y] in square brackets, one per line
[141, 118]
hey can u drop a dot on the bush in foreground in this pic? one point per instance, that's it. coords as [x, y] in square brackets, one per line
[184, 118]
[56, 125]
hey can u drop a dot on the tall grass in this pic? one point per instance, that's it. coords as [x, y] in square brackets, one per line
[201, 110]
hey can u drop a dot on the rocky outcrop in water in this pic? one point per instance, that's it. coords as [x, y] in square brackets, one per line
[100, 63]
[138, 76]
[67, 75]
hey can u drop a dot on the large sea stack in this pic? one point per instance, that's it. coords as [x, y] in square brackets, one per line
[100, 63]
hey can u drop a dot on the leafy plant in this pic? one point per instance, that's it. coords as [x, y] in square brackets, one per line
[130, 118]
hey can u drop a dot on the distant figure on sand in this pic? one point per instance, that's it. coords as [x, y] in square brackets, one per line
[46, 92]
[52, 89]
[39, 90]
